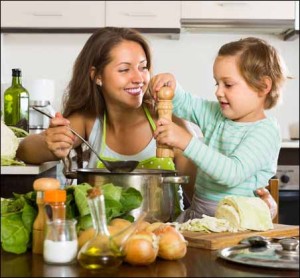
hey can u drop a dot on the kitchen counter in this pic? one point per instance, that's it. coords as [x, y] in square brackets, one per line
[19, 179]
[197, 263]
[290, 143]
[28, 169]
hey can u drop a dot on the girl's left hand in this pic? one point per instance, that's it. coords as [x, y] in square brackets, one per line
[172, 135]
[265, 195]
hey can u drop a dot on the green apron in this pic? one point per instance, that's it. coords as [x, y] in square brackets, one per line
[149, 163]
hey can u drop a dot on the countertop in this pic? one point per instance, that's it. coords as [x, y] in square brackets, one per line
[286, 143]
[28, 169]
[197, 263]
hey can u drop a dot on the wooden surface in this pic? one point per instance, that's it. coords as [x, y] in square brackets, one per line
[273, 187]
[213, 241]
[164, 110]
[196, 263]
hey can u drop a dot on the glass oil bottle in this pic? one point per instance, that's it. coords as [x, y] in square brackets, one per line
[100, 252]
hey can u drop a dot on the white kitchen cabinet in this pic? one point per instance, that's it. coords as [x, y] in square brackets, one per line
[238, 10]
[52, 14]
[143, 14]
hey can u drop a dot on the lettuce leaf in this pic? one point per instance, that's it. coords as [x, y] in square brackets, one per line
[16, 227]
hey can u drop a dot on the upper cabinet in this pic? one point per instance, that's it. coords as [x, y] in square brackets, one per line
[52, 14]
[273, 17]
[238, 9]
[143, 14]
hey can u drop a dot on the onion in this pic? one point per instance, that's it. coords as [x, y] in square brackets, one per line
[85, 236]
[142, 226]
[172, 245]
[154, 226]
[141, 248]
[119, 222]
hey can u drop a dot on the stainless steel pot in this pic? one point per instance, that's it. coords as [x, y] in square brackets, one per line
[159, 188]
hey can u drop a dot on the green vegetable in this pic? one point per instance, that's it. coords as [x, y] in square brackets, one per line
[17, 217]
[6, 161]
[19, 132]
[9, 144]
[18, 213]
[118, 203]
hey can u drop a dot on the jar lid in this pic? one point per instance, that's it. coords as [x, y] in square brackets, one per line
[56, 195]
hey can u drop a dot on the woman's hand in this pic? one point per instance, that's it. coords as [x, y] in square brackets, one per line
[160, 80]
[265, 195]
[58, 137]
[172, 135]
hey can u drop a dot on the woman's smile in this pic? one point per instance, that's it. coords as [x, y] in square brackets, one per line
[134, 91]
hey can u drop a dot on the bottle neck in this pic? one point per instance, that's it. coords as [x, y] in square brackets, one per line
[16, 80]
[97, 208]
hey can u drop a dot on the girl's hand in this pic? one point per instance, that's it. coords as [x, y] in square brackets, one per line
[172, 135]
[160, 80]
[59, 138]
[265, 195]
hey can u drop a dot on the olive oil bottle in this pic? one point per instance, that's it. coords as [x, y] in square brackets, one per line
[100, 252]
[16, 103]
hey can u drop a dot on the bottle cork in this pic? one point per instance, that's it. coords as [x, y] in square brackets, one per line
[165, 109]
[41, 185]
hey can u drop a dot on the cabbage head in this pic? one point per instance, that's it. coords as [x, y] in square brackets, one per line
[9, 146]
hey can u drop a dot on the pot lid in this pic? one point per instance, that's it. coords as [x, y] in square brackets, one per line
[283, 254]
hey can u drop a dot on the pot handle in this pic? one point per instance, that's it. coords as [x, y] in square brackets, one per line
[177, 180]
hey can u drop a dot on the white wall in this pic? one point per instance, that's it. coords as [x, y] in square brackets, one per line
[190, 58]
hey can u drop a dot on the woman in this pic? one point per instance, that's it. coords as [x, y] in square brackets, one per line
[108, 104]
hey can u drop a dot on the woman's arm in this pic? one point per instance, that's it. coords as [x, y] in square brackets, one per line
[53, 144]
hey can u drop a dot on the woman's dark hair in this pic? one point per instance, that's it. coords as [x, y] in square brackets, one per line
[83, 95]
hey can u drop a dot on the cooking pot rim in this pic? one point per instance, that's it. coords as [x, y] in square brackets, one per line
[134, 172]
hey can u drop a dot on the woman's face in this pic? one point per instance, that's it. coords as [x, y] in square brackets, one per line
[238, 101]
[126, 78]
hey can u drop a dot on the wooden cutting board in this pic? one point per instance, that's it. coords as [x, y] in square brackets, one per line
[215, 241]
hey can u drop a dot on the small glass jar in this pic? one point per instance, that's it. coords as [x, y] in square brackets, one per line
[61, 243]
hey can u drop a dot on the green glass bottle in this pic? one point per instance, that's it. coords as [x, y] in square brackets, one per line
[16, 103]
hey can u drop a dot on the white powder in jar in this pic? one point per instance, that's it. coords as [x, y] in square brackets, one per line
[60, 251]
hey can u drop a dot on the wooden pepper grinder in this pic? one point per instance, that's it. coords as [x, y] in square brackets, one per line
[165, 107]
[41, 185]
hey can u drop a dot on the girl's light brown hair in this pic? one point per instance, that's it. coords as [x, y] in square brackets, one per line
[258, 59]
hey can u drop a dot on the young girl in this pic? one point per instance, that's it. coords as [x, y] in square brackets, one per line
[241, 144]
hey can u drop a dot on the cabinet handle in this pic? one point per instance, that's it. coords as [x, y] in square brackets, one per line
[233, 3]
[46, 14]
[141, 14]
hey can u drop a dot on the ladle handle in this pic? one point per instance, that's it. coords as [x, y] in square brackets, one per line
[164, 108]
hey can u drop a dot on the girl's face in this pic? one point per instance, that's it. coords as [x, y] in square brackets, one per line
[126, 78]
[239, 102]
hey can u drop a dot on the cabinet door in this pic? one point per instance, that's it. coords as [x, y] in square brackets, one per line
[143, 14]
[52, 14]
[238, 9]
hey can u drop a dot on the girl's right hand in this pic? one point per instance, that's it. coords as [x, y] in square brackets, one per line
[160, 80]
[59, 138]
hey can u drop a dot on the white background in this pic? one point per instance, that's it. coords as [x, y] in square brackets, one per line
[190, 58]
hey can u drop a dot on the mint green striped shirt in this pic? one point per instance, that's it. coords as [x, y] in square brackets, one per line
[234, 158]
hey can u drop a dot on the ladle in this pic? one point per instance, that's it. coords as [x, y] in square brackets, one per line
[112, 166]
